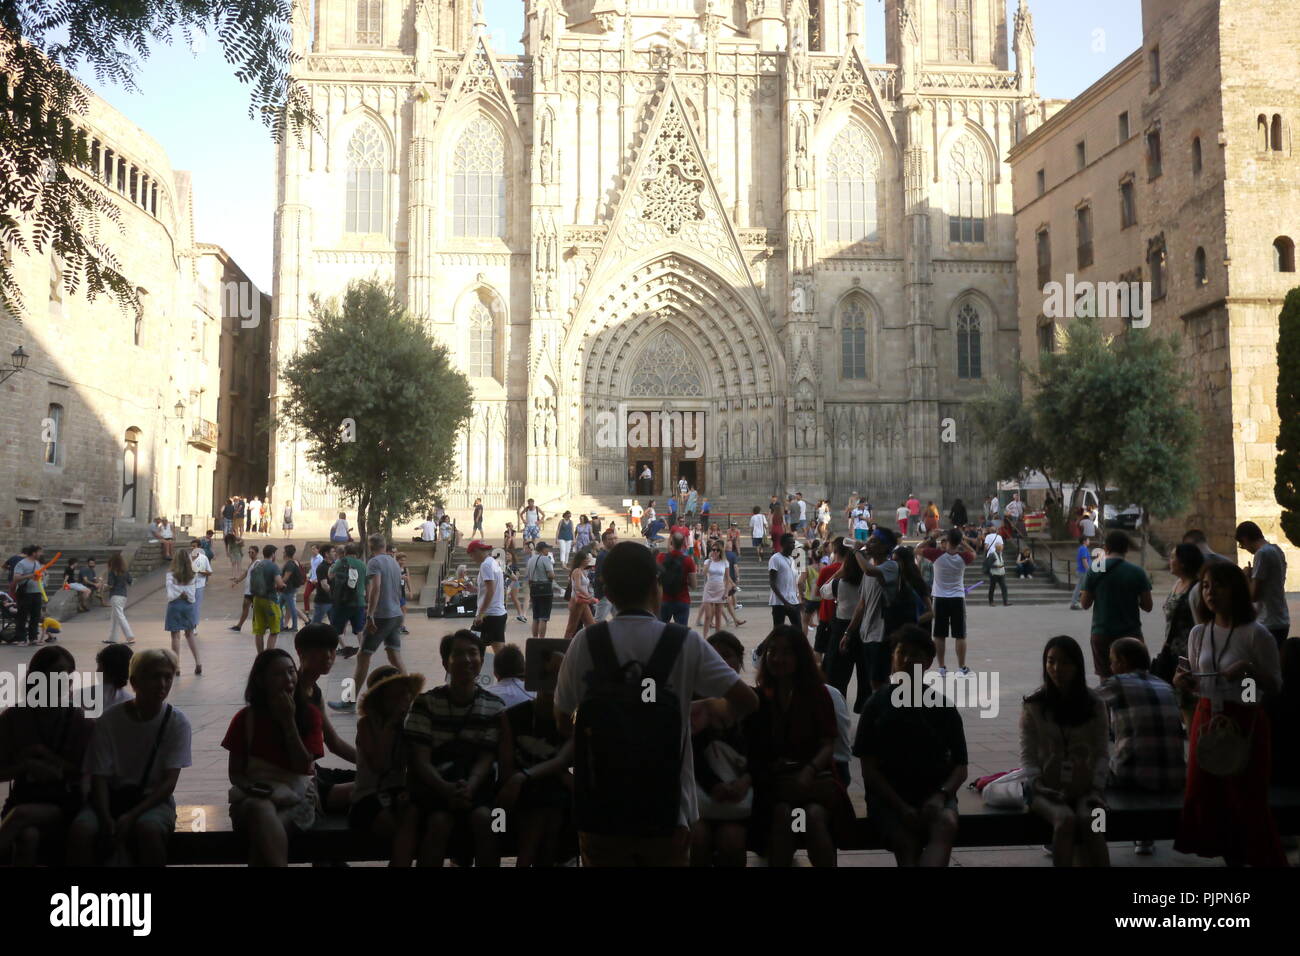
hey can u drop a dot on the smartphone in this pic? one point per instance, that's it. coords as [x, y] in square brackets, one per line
[1184, 664]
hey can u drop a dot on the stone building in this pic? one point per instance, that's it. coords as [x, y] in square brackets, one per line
[115, 420]
[710, 209]
[1179, 168]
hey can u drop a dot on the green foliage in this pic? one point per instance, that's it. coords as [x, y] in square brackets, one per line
[50, 199]
[1006, 425]
[1115, 412]
[371, 363]
[1287, 474]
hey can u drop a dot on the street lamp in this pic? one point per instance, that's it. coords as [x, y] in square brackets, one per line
[18, 359]
[180, 408]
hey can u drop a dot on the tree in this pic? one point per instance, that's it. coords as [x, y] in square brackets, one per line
[50, 198]
[1111, 408]
[380, 403]
[1287, 473]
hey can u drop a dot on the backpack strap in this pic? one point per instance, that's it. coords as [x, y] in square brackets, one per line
[601, 645]
[665, 653]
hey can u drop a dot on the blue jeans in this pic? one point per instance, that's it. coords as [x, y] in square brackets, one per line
[1078, 588]
[678, 612]
[289, 607]
[320, 610]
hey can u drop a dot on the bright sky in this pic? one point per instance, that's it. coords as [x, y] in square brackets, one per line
[192, 104]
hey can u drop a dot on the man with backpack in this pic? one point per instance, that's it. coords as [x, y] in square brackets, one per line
[677, 575]
[294, 577]
[265, 583]
[347, 577]
[625, 694]
[540, 575]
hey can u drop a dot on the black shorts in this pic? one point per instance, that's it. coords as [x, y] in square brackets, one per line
[541, 605]
[950, 616]
[493, 630]
[877, 655]
[811, 607]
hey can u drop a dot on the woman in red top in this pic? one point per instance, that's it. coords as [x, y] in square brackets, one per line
[792, 746]
[273, 743]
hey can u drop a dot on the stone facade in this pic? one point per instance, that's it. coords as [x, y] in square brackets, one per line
[92, 445]
[823, 248]
[1215, 183]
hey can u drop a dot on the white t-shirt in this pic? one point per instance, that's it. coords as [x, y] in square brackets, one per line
[683, 486]
[861, 519]
[121, 746]
[949, 575]
[872, 627]
[200, 563]
[1246, 642]
[512, 691]
[757, 526]
[489, 570]
[1087, 527]
[844, 721]
[785, 585]
[991, 541]
[994, 507]
[803, 509]
[698, 672]
[902, 514]
[316, 559]
[340, 530]
[1015, 507]
[636, 511]
[428, 531]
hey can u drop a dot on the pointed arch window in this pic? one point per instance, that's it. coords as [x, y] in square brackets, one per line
[479, 181]
[366, 163]
[956, 29]
[969, 328]
[967, 184]
[850, 191]
[853, 340]
[482, 342]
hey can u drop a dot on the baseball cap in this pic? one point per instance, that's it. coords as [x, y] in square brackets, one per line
[478, 546]
[542, 544]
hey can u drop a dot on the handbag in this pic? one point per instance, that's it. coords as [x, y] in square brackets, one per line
[729, 766]
[1005, 792]
[539, 587]
[122, 799]
[1222, 750]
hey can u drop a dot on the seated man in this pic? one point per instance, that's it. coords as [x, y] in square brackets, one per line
[317, 645]
[913, 759]
[1145, 725]
[455, 733]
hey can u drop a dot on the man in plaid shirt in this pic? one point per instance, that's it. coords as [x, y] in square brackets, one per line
[1145, 724]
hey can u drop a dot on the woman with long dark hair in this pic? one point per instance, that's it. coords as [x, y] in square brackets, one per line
[1065, 750]
[792, 748]
[846, 585]
[273, 744]
[958, 515]
[1233, 668]
[1185, 563]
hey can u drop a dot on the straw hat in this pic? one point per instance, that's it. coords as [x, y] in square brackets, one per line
[382, 677]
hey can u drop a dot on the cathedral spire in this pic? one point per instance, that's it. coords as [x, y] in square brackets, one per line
[1023, 42]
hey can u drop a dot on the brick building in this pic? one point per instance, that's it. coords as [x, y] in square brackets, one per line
[1179, 168]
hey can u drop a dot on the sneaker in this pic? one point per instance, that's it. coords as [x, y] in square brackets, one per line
[965, 671]
[347, 652]
[345, 705]
[1047, 849]
[1144, 848]
[521, 619]
[234, 627]
[1076, 607]
[943, 672]
[405, 631]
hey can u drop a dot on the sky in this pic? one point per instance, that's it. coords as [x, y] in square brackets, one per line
[190, 102]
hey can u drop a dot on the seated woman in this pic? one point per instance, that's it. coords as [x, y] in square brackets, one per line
[1234, 672]
[41, 754]
[1025, 564]
[1065, 750]
[273, 744]
[454, 734]
[538, 787]
[136, 756]
[381, 802]
[723, 786]
[791, 751]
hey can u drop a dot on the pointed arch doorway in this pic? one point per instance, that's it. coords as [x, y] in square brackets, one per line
[666, 416]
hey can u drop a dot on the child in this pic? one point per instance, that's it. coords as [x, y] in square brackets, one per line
[381, 803]
[50, 630]
[400, 558]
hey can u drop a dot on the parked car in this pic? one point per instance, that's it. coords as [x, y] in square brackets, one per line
[1130, 519]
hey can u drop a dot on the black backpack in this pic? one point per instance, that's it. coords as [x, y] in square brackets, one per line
[628, 753]
[672, 574]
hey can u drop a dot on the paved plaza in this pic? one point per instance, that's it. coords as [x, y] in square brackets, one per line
[1006, 642]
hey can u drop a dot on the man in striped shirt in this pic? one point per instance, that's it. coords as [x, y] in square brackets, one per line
[455, 735]
[1145, 725]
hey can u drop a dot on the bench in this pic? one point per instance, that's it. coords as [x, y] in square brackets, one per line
[1132, 816]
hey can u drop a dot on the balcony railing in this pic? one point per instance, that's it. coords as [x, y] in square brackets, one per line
[203, 434]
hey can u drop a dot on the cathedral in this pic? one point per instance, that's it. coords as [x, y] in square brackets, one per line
[711, 212]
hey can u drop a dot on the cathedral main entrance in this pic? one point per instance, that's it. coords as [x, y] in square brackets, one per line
[668, 444]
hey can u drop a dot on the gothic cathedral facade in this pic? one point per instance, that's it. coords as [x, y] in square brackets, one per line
[713, 210]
